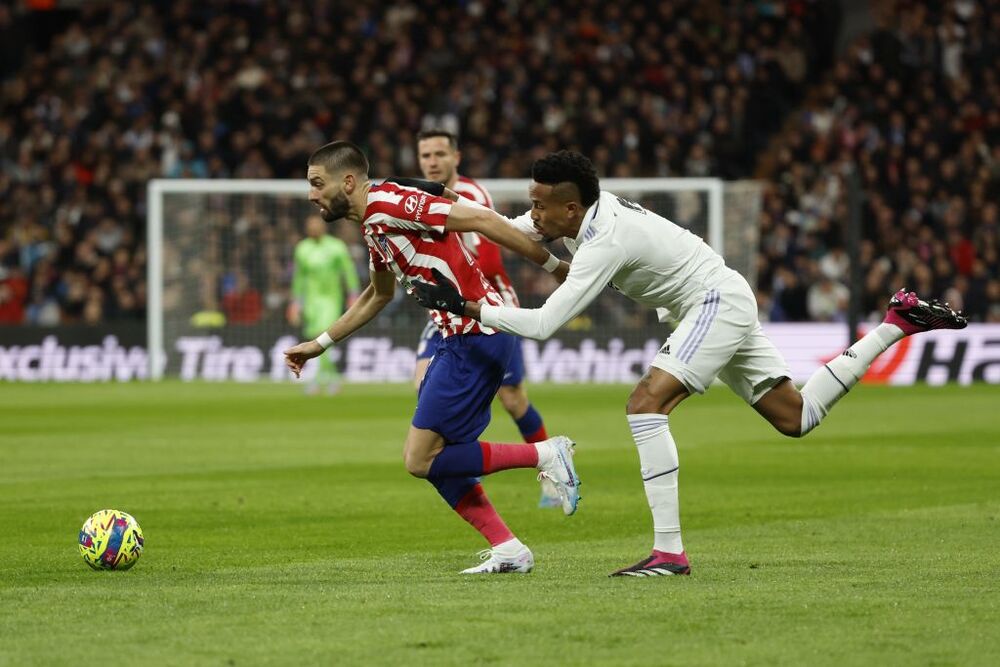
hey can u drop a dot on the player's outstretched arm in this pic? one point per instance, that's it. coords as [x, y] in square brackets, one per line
[591, 271]
[467, 216]
[373, 299]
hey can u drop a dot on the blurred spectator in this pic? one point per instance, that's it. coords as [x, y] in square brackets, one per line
[242, 302]
[13, 292]
[791, 298]
[827, 300]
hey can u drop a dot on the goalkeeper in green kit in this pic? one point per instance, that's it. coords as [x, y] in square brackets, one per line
[324, 274]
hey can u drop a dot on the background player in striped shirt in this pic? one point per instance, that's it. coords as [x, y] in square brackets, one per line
[409, 233]
[437, 151]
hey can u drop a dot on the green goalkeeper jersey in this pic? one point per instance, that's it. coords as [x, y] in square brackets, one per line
[323, 267]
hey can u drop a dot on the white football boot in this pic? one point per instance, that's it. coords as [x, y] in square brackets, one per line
[521, 562]
[561, 472]
[550, 497]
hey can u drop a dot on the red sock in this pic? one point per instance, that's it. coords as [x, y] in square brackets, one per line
[477, 509]
[498, 456]
[537, 436]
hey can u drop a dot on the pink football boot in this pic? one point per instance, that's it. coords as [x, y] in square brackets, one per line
[659, 564]
[912, 315]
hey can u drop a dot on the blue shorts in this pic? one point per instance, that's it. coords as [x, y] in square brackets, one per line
[455, 395]
[515, 369]
[430, 338]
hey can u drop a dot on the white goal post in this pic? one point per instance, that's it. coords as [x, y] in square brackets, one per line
[184, 216]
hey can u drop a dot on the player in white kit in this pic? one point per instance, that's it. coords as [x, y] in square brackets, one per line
[657, 263]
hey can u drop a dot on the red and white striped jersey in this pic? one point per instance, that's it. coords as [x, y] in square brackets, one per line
[487, 252]
[405, 231]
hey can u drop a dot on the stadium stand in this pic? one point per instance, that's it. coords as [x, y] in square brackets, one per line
[648, 89]
[913, 106]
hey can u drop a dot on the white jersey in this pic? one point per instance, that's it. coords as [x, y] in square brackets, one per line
[642, 255]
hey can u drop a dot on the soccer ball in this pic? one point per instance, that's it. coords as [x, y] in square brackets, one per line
[111, 540]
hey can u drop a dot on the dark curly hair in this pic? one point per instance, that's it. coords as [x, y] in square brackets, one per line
[568, 167]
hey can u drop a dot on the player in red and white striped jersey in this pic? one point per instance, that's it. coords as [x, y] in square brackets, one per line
[414, 234]
[406, 232]
[439, 157]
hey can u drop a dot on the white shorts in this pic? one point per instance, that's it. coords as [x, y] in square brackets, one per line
[722, 338]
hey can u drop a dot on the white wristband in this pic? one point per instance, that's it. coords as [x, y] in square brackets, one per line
[551, 264]
[324, 340]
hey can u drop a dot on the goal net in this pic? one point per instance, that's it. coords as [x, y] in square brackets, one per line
[221, 265]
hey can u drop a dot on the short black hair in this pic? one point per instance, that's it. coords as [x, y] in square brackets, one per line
[568, 167]
[339, 156]
[437, 132]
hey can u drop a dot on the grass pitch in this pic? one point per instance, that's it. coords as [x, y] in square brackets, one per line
[283, 529]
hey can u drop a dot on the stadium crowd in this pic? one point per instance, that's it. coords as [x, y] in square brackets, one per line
[913, 109]
[120, 93]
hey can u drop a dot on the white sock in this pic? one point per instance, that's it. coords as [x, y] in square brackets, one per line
[658, 463]
[509, 549]
[828, 384]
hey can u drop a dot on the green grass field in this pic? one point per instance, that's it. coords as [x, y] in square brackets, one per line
[283, 529]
